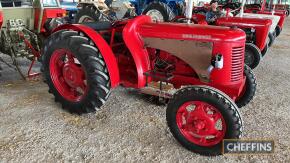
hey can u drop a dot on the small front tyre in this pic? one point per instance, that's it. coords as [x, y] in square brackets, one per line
[200, 117]
[249, 89]
[271, 38]
[252, 55]
[278, 30]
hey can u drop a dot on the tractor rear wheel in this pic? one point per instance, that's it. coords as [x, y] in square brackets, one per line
[88, 13]
[252, 55]
[200, 117]
[159, 11]
[75, 72]
[249, 89]
[278, 30]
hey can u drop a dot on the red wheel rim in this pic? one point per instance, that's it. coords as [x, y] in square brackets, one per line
[201, 123]
[67, 75]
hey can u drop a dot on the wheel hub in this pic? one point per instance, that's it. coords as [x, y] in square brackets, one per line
[155, 15]
[72, 75]
[249, 57]
[67, 75]
[199, 123]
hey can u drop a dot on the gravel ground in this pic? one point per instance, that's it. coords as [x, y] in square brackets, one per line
[33, 128]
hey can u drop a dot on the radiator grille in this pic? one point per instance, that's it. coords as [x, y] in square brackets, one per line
[237, 63]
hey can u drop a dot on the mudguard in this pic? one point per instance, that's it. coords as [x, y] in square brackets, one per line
[102, 45]
[136, 47]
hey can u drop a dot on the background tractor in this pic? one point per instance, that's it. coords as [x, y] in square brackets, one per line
[160, 10]
[259, 7]
[24, 25]
[103, 10]
[199, 69]
[71, 9]
[256, 29]
[109, 10]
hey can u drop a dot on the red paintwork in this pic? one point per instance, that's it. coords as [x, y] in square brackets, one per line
[67, 76]
[109, 58]
[35, 53]
[262, 27]
[47, 14]
[1, 19]
[197, 125]
[135, 45]
[281, 20]
[169, 30]
[128, 60]
[264, 10]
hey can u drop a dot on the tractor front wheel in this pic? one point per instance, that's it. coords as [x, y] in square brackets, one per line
[249, 89]
[278, 30]
[271, 38]
[75, 72]
[266, 48]
[159, 11]
[252, 55]
[200, 117]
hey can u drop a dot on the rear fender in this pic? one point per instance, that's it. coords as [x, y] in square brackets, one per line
[102, 45]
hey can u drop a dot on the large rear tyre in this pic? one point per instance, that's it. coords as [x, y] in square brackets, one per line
[75, 72]
[249, 89]
[159, 11]
[88, 13]
[200, 117]
[252, 55]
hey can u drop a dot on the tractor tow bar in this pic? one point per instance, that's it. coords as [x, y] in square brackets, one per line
[36, 54]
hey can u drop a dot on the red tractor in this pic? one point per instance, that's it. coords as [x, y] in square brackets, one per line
[257, 32]
[200, 69]
[259, 7]
[24, 24]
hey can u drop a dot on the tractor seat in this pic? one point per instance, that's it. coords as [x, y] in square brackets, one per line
[99, 26]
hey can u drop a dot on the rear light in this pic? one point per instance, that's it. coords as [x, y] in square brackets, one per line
[237, 68]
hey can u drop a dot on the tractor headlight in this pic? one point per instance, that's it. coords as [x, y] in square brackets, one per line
[253, 30]
[216, 62]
